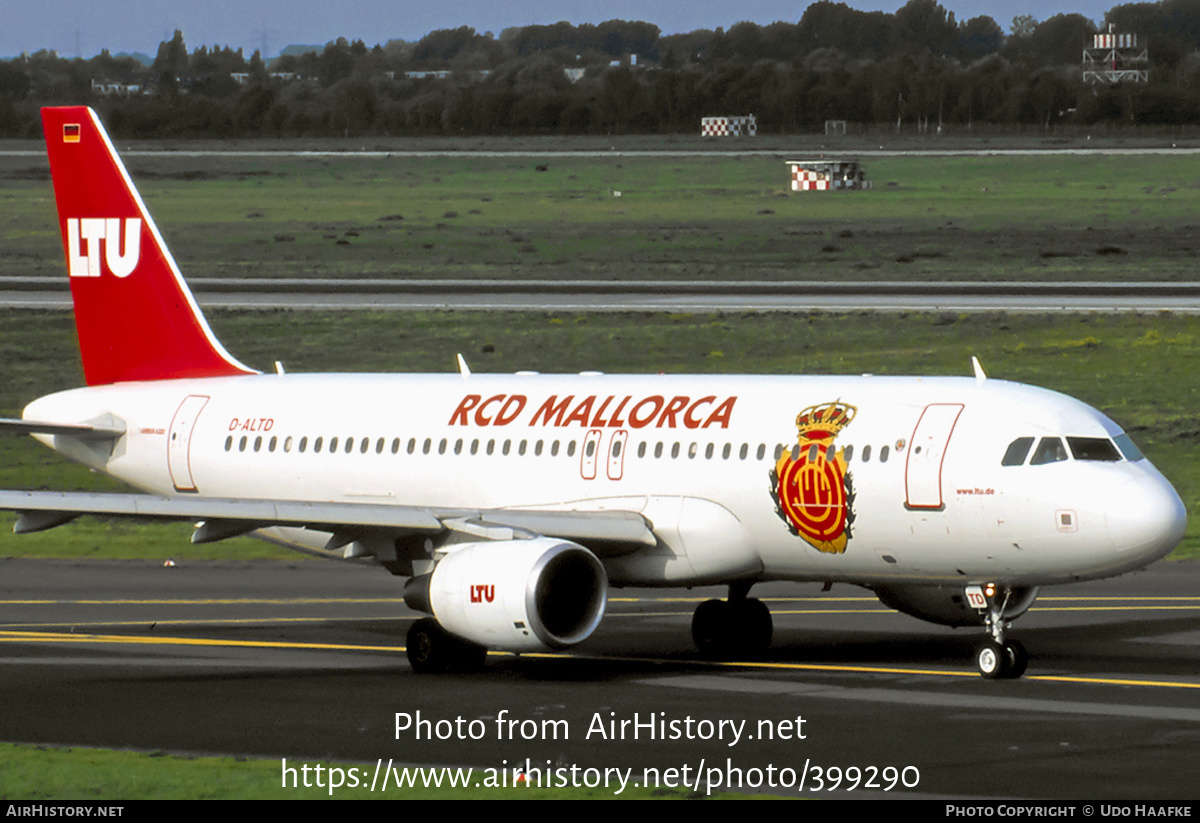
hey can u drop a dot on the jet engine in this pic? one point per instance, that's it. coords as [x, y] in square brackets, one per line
[515, 595]
[948, 605]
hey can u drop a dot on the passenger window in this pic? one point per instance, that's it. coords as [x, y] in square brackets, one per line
[554, 449]
[616, 448]
[1094, 448]
[365, 444]
[658, 449]
[229, 442]
[506, 447]
[1049, 450]
[412, 445]
[242, 444]
[442, 446]
[287, 444]
[458, 444]
[271, 445]
[726, 451]
[537, 449]
[303, 444]
[866, 458]
[675, 451]
[491, 446]
[1018, 450]
[883, 454]
[475, 446]
[642, 449]
[349, 444]
[333, 441]
[848, 453]
[428, 445]
[745, 451]
[762, 451]
[708, 452]
[317, 445]
[570, 448]
[396, 445]
[379, 446]
[521, 448]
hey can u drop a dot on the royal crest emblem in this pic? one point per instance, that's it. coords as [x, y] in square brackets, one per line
[813, 491]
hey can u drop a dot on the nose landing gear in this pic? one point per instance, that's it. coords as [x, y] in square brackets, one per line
[997, 658]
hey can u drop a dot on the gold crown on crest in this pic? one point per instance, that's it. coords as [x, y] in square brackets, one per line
[824, 420]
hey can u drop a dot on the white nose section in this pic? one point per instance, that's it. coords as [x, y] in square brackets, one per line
[1146, 520]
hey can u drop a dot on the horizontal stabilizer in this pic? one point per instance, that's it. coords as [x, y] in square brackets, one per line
[83, 431]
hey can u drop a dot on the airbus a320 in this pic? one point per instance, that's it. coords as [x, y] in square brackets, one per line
[514, 503]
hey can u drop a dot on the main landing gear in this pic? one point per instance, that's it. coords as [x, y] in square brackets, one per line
[740, 625]
[997, 658]
[431, 649]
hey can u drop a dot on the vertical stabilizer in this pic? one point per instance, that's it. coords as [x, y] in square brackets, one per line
[135, 316]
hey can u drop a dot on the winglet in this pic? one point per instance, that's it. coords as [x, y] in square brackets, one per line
[135, 316]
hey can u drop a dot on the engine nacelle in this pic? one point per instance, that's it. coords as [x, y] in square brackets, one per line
[948, 605]
[515, 595]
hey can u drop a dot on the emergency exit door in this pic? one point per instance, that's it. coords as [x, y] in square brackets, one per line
[179, 441]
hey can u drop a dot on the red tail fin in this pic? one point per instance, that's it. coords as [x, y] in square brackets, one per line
[135, 316]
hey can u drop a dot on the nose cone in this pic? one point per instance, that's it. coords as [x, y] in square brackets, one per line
[1146, 519]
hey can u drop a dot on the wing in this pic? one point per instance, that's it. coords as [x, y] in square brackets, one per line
[347, 529]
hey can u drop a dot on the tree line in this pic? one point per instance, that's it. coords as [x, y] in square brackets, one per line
[915, 68]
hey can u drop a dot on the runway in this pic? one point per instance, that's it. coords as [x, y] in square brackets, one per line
[305, 661]
[609, 295]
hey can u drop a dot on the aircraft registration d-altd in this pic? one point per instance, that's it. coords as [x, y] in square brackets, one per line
[514, 502]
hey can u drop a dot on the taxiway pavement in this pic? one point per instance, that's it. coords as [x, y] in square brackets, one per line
[305, 661]
[613, 295]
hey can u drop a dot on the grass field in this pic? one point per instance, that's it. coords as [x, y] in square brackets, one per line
[46, 773]
[729, 218]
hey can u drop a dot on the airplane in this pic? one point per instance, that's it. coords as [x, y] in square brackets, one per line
[514, 503]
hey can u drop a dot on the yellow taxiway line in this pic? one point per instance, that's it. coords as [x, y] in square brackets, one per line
[60, 637]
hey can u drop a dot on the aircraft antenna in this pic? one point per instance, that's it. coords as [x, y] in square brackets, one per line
[979, 373]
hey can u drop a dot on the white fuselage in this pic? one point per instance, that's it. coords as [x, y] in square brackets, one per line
[928, 499]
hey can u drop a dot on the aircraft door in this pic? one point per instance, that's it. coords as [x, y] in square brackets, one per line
[616, 454]
[926, 452]
[179, 442]
[590, 455]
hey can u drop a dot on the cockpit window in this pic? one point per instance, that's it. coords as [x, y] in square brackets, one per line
[1094, 448]
[1049, 450]
[1127, 448]
[1018, 450]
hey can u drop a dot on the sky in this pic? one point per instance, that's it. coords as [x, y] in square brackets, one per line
[84, 27]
